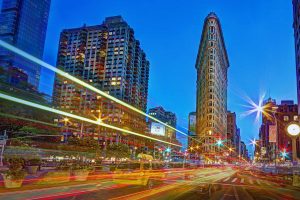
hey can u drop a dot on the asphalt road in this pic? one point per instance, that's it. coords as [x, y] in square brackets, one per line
[212, 183]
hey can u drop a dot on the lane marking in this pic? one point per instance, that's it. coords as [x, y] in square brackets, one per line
[235, 194]
[226, 179]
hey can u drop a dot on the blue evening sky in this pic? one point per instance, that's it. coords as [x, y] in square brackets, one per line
[258, 36]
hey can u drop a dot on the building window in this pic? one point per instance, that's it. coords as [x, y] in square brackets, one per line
[285, 118]
[295, 117]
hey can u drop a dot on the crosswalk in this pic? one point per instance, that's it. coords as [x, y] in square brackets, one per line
[246, 181]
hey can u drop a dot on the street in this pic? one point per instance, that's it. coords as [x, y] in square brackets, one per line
[207, 183]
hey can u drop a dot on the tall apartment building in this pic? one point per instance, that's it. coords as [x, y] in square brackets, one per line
[108, 57]
[212, 65]
[23, 23]
[296, 25]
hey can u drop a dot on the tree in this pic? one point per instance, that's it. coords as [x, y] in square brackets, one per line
[118, 151]
[32, 130]
[84, 142]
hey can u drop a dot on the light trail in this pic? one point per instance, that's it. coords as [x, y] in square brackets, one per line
[27, 119]
[35, 105]
[80, 82]
[258, 108]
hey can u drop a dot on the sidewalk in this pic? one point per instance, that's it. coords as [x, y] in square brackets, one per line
[33, 182]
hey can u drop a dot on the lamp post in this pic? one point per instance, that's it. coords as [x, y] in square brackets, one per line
[184, 158]
[293, 130]
[65, 136]
[276, 143]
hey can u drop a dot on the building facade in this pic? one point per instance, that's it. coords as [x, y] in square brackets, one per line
[273, 135]
[212, 65]
[238, 141]
[231, 129]
[109, 57]
[296, 25]
[167, 117]
[23, 24]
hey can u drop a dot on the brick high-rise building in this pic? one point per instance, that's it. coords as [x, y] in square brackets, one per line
[23, 24]
[286, 113]
[233, 135]
[212, 65]
[231, 129]
[274, 142]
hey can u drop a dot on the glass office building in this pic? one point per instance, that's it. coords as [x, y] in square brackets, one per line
[23, 23]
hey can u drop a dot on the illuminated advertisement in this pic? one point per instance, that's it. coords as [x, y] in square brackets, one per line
[158, 129]
[263, 151]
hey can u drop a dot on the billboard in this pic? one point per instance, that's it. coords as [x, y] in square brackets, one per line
[272, 133]
[158, 129]
[192, 124]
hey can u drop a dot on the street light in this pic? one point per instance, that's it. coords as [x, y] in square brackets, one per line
[219, 142]
[168, 150]
[284, 154]
[293, 131]
[253, 142]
